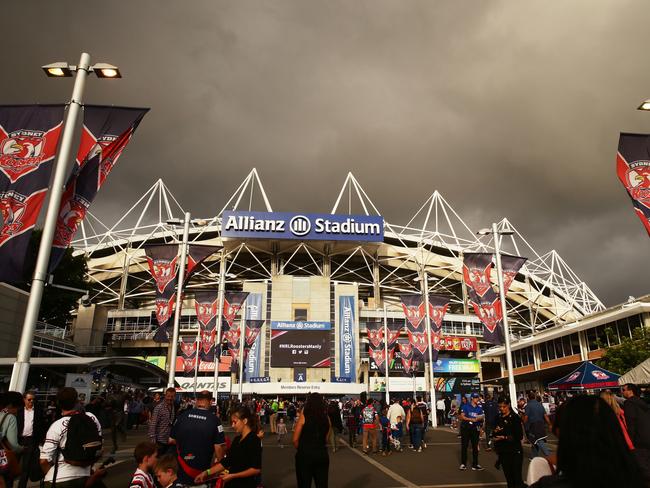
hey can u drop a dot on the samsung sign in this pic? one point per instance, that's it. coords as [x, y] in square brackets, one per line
[322, 227]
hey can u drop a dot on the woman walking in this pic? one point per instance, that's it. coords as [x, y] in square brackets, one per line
[243, 463]
[310, 438]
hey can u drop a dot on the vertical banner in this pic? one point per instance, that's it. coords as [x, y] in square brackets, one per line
[476, 271]
[188, 350]
[413, 307]
[633, 169]
[378, 355]
[510, 266]
[106, 132]
[162, 266]
[196, 254]
[29, 135]
[488, 310]
[375, 332]
[253, 312]
[206, 304]
[394, 330]
[406, 353]
[438, 305]
[347, 332]
[232, 303]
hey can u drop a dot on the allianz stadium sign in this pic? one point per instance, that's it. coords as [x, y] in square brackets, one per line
[322, 227]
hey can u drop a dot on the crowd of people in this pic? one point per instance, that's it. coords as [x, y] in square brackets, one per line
[602, 439]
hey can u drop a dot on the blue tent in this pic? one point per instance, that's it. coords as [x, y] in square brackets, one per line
[587, 376]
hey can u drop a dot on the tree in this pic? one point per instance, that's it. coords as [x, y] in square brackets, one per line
[630, 352]
[57, 304]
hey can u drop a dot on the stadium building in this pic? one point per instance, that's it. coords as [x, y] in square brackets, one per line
[306, 269]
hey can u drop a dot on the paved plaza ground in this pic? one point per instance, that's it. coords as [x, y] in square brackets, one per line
[435, 467]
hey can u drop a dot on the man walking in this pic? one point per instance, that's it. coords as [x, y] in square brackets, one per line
[199, 438]
[440, 411]
[471, 417]
[535, 420]
[370, 421]
[507, 443]
[394, 411]
[161, 422]
[637, 416]
[31, 433]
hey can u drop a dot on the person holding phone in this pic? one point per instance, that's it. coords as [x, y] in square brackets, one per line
[471, 417]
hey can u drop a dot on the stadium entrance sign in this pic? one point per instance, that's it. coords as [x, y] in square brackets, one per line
[321, 227]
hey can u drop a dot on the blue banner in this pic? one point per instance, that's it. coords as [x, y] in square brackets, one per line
[347, 331]
[300, 325]
[322, 227]
[254, 312]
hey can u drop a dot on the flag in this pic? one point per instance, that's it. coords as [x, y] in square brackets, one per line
[413, 307]
[162, 266]
[394, 330]
[253, 329]
[488, 310]
[510, 266]
[378, 355]
[476, 271]
[633, 169]
[189, 356]
[406, 353]
[375, 333]
[196, 254]
[106, 132]
[232, 303]
[206, 306]
[438, 305]
[29, 135]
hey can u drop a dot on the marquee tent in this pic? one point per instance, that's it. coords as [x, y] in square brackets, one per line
[639, 375]
[587, 376]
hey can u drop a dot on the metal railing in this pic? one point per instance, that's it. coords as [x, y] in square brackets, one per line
[51, 330]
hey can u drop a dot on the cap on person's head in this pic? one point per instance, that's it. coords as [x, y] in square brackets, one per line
[204, 395]
[475, 395]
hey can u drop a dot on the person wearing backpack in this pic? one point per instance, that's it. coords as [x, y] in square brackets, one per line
[370, 420]
[72, 444]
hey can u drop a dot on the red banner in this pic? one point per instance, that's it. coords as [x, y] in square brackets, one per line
[633, 170]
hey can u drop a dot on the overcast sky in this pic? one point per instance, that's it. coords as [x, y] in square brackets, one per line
[508, 108]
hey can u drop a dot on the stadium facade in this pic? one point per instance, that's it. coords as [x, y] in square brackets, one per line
[304, 273]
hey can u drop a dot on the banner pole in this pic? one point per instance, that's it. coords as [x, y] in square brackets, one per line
[386, 365]
[179, 297]
[21, 366]
[217, 340]
[506, 332]
[198, 361]
[242, 347]
[432, 385]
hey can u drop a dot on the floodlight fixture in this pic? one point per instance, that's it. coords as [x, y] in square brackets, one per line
[58, 70]
[645, 106]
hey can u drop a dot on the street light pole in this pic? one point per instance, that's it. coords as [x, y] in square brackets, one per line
[217, 349]
[386, 365]
[242, 347]
[21, 366]
[179, 298]
[432, 385]
[506, 331]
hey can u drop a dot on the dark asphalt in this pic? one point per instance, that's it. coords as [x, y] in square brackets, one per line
[435, 467]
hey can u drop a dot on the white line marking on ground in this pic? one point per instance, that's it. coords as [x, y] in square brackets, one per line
[405, 483]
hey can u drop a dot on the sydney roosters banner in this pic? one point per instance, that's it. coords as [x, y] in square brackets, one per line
[195, 256]
[206, 305]
[413, 307]
[162, 265]
[438, 305]
[375, 333]
[406, 353]
[633, 169]
[29, 135]
[187, 348]
[253, 329]
[378, 355]
[510, 265]
[488, 310]
[394, 329]
[106, 132]
[232, 303]
[476, 271]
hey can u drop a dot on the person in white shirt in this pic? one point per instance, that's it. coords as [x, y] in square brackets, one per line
[395, 410]
[68, 475]
[440, 410]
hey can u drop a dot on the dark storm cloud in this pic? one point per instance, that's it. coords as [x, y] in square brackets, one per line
[507, 108]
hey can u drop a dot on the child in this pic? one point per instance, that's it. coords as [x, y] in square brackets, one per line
[166, 472]
[145, 455]
[396, 434]
[282, 431]
[385, 432]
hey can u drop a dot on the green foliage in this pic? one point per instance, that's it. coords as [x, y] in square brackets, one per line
[622, 358]
[57, 305]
